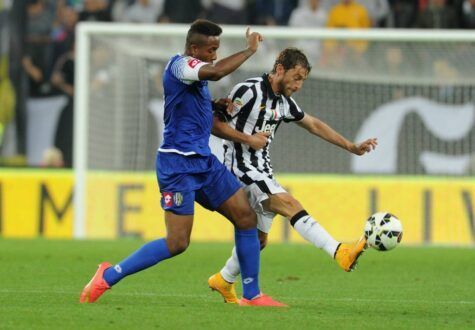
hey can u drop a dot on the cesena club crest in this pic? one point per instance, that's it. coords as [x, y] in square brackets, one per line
[177, 198]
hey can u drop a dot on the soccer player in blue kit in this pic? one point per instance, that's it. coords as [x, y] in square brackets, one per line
[187, 171]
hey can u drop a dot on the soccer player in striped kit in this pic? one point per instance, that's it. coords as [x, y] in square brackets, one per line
[258, 106]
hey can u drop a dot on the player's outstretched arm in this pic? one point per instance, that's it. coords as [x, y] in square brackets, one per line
[229, 64]
[222, 130]
[321, 129]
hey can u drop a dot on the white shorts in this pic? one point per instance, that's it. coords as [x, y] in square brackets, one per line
[259, 191]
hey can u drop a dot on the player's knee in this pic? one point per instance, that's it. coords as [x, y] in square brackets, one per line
[178, 245]
[245, 218]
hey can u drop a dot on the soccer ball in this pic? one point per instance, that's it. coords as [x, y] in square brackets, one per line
[383, 231]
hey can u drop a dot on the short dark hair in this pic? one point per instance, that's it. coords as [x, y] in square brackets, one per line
[291, 57]
[202, 27]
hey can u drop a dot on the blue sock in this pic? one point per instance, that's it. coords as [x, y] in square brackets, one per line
[147, 256]
[248, 252]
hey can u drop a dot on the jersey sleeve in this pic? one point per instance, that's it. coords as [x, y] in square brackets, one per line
[294, 113]
[186, 69]
[240, 96]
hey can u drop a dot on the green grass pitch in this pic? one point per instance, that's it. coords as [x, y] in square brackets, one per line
[407, 288]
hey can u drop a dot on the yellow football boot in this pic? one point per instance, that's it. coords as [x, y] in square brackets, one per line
[225, 289]
[347, 254]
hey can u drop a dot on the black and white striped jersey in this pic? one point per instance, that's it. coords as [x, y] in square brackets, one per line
[256, 108]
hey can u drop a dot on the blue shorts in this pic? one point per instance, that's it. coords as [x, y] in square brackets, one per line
[186, 179]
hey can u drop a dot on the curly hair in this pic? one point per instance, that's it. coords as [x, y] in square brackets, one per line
[291, 57]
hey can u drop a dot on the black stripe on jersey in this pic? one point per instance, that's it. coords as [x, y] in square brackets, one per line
[240, 92]
[225, 150]
[241, 123]
[267, 167]
[259, 121]
[261, 184]
[298, 115]
[246, 179]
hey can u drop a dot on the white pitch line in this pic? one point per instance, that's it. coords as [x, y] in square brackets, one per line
[203, 296]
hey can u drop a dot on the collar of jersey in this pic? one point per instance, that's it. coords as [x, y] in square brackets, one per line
[270, 92]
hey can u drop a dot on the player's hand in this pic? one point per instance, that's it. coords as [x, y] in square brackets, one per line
[258, 140]
[36, 74]
[220, 108]
[364, 147]
[221, 105]
[253, 39]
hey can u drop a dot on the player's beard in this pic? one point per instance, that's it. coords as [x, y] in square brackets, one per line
[283, 90]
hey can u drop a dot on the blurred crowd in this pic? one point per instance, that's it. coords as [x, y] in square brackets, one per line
[46, 55]
[55, 18]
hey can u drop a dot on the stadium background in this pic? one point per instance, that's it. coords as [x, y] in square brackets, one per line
[422, 174]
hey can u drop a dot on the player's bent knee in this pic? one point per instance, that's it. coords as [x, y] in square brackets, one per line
[177, 246]
[245, 219]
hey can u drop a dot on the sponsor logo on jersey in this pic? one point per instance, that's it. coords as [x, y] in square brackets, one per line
[193, 62]
[267, 126]
[178, 198]
[167, 199]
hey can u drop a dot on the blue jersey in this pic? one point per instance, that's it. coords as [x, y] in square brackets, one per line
[188, 114]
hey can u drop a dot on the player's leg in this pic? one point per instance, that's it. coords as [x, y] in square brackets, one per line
[223, 193]
[231, 269]
[257, 192]
[247, 250]
[264, 222]
[223, 281]
[177, 240]
[286, 205]
[237, 210]
[178, 203]
[179, 210]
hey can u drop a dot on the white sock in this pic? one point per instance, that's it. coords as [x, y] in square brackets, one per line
[231, 269]
[314, 233]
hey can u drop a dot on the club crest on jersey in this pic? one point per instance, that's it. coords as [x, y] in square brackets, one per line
[167, 199]
[193, 62]
[178, 198]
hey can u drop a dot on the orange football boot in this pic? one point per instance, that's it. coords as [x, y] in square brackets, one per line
[96, 286]
[347, 254]
[263, 301]
[217, 283]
